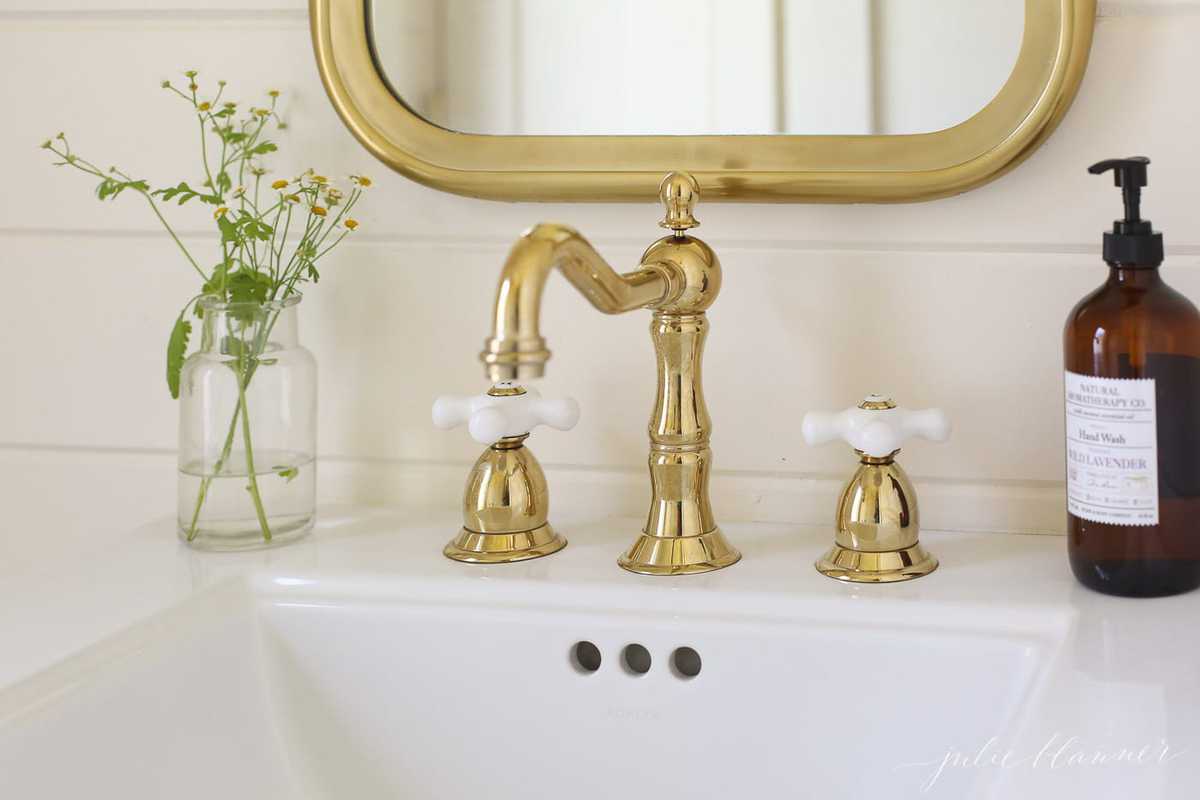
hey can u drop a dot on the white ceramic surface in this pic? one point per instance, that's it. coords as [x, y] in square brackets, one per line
[362, 664]
[490, 418]
[876, 432]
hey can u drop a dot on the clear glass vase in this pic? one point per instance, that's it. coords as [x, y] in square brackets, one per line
[247, 429]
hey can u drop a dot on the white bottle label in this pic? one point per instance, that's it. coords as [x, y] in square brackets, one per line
[1112, 450]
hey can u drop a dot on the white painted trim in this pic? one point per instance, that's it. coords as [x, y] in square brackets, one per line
[103, 480]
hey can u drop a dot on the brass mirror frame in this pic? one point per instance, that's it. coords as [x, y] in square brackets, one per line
[759, 168]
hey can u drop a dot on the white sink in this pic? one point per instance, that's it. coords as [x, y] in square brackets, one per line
[443, 680]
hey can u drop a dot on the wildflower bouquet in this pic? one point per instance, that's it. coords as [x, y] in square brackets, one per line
[270, 239]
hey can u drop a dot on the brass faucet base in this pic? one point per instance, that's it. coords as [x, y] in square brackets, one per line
[858, 566]
[679, 555]
[474, 547]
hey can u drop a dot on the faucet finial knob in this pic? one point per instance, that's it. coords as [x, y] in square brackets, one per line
[679, 192]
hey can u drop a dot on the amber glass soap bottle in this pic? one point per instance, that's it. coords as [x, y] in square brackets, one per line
[1132, 358]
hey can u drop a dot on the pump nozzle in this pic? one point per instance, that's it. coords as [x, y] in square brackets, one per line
[1132, 241]
[1130, 175]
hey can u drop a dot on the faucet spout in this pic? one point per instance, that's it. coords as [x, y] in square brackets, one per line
[516, 349]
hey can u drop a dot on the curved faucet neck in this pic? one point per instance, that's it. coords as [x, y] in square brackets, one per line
[516, 349]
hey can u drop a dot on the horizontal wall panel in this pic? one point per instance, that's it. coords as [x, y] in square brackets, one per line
[92, 83]
[393, 326]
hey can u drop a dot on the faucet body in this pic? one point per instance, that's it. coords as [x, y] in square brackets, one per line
[678, 279]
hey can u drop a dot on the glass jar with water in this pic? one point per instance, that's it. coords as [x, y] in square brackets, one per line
[247, 429]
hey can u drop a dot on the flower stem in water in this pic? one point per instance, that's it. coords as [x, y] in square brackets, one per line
[253, 485]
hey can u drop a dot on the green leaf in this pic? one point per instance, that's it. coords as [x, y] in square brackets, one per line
[183, 192]
[169, 194]
[224, 183]
[262, 148]
[287, 473]
[229, 230]
[176, 350]
[257, 229]
[216, 284]
[111, 187]
[248, 286]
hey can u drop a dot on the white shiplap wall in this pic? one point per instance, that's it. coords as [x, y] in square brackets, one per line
[968, 294]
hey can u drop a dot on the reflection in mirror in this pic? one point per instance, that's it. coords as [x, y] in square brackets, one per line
[558, 67]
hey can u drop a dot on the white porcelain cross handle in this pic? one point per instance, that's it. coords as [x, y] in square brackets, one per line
[506, 410]
[878, 429]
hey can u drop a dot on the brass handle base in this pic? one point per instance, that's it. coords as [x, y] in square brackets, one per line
[474, 547]
[858, 566]
[679, 555]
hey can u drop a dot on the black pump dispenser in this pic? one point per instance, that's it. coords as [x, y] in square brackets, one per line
[1131, 242]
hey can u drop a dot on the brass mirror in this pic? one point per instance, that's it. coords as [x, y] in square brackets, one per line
[762, 100]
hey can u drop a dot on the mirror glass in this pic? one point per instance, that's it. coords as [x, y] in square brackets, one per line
[649, 67]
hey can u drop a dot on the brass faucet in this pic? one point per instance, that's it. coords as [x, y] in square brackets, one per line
[877, 535]
[678, 279]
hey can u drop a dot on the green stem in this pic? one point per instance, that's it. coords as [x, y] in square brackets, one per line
[253, 487]
[83, 165]
[206, 481]
[171, 231]
[227, 448]
[212, 185]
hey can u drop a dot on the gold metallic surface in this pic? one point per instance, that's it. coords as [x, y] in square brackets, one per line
[678, 193]
[877, 402]
[877, 527]
[506, 390]
[517, 350]
[504, 548]
[658, 555]
[853, 566]
[679, 277]
[784, 168]
[505, 504]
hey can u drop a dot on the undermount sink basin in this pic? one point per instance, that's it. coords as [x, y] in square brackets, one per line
[372, 674]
